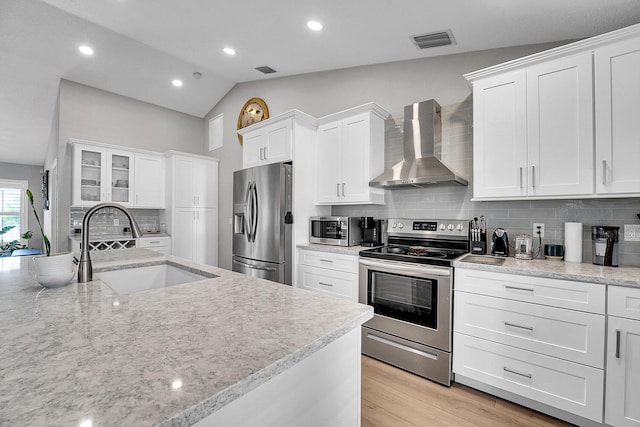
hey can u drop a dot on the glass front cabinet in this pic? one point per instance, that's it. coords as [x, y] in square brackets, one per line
[101, 175]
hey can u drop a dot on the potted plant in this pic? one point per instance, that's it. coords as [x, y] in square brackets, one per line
[7, 248]
[51, 270]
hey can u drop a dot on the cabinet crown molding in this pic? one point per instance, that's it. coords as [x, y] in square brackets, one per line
[74, 141]
[297, 115]
[171, 153]
[581, 46]
[364, 108]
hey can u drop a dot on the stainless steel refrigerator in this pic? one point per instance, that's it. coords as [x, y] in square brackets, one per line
[262, 222]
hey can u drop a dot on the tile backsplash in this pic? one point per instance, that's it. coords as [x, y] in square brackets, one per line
[102, 222]
[517, 217]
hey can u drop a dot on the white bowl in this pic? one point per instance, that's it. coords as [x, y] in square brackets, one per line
[55, 280]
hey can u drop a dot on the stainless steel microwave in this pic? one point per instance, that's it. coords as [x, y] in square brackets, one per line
[335, 230]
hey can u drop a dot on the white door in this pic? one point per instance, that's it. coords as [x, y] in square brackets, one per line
[253, 148]
[207, 184]
[278, 138]
[356, 157]
[622, 408]
[183, 232]
[500, 136]
[184, 181]
[560, 127]
[329, 161]
[206, 237]
[617, 87]
[149, 181]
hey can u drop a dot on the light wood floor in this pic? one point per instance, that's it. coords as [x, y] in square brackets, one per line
[392, 397]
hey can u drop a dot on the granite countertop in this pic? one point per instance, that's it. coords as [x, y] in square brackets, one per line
[168, 356]
[344, 250]
[577, 271]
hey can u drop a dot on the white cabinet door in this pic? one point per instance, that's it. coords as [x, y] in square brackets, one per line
[622, 407]
[119, 185]
[355, 158]
[89, 175]
[253, 144]
[617, 88]
[149, 181]
[205, 237]
[184, 181]
[329, 160]
[560, 127]
[184, 228]
[270, 143]
[206, 184]
[500, 136]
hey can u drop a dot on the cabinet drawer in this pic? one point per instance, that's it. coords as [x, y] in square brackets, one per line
[340, 262]
[581, 296]
[568, 386]
[571, 335]
[624, 302]
[330, 282]
[151, 242]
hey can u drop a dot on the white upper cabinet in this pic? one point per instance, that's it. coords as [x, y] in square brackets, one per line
[149, 180]
[499, 136]
[268, 144]
[195, 182]
[350, 152]
[617, 85]
[105, 173]
[560, 127]
[544, 104]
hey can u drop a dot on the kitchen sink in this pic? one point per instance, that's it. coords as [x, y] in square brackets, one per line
[130, 280]
[483, 259]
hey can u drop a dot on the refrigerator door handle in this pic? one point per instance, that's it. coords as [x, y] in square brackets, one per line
[254, 220]
[247, 212]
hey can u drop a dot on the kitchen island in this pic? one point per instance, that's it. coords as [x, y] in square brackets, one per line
[229, 349]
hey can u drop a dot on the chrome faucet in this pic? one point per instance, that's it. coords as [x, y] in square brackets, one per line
[85, 270]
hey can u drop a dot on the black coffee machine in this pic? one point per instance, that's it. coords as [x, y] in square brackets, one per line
[372, 231]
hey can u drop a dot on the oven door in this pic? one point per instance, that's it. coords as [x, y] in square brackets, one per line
[411, 301]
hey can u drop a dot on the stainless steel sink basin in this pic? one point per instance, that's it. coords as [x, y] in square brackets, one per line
[483, 259]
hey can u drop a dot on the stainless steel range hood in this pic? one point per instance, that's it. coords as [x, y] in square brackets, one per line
[419, 168]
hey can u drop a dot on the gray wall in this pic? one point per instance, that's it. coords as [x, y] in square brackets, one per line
[92, 114]
[391, 85]
[33, 175]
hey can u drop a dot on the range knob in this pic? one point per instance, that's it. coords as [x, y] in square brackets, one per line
[442, 227]
[450, 227]
[394, 225]
[400, 226]
[460, 227]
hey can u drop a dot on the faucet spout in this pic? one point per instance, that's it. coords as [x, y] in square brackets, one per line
[85, 269]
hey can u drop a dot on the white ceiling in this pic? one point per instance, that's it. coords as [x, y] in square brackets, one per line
[141, 45]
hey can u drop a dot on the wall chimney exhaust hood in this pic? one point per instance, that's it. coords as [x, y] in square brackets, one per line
[422, 129]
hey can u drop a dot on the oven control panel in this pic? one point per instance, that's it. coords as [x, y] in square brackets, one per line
[446, 227]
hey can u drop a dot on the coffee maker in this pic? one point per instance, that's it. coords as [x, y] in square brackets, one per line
[373, 231]
[605, 245]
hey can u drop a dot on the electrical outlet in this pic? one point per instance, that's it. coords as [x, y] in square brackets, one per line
[631, 233]
[535, 229]
[116, 221]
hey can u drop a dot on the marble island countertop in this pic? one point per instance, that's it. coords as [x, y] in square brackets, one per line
[169, 356]
[577, 271]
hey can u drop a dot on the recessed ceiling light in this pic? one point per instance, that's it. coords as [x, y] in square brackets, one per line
[86, 50]
[229, 51]
[177, 83]
[314, 25]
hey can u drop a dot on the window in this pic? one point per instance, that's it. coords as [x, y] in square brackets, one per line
[13, 209]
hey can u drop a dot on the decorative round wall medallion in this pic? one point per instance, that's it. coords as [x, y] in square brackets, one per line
[253, 111]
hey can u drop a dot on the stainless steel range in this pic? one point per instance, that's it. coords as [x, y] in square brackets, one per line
[409, 284]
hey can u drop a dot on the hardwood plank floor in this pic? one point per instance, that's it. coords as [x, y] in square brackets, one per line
[392, 397]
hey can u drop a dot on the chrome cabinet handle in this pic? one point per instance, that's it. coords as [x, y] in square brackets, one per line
[518, 288]
[604, 172]
[513, 325]
[520, 177]
[533, 176]
[338, 189]
[343, 189]
[511, 371]
[326, 260]
[266, 153]
[325, 284]
[617, 343]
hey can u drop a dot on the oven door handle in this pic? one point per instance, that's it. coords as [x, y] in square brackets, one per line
[406, 268]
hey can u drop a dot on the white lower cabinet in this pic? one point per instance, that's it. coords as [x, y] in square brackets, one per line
[536, 338]
[155, 243]
[329, 273]
[622, 407]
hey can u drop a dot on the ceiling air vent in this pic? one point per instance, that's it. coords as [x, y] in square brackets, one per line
[265, 69]
[435, 39]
